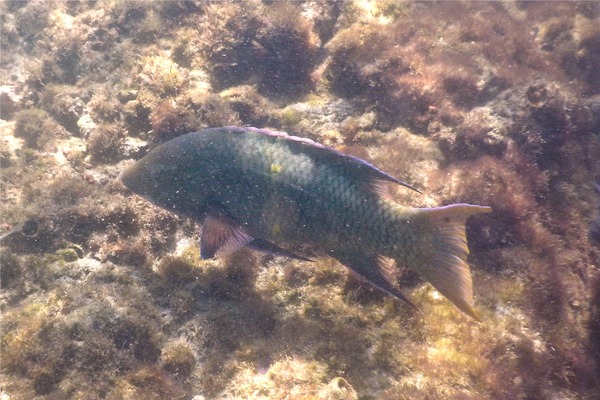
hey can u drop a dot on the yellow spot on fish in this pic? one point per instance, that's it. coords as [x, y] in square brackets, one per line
[276, 168]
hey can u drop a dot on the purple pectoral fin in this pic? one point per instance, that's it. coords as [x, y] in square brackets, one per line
[220, 237]
[373, 269]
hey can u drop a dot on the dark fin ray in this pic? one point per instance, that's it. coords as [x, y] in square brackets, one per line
[380, 188]
[272, 248]
[447, 269]
[220, 237]
[374, 269]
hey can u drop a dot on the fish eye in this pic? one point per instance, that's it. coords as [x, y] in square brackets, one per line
[162, 173]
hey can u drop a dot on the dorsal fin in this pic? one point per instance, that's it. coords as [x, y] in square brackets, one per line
[360, 169]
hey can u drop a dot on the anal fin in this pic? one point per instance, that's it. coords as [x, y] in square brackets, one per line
[374, 269]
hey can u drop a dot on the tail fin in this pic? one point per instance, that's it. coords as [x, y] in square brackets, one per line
[446, 266]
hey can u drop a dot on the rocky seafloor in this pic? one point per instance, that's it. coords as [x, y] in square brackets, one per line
[104, 295]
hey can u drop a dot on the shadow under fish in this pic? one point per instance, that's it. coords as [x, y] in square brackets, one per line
[273, 192]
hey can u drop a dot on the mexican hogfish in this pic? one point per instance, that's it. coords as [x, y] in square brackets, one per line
[274, 192]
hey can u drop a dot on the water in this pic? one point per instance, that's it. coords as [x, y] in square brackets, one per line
[104, 295]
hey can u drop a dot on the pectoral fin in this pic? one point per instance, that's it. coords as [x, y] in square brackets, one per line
[221, 237]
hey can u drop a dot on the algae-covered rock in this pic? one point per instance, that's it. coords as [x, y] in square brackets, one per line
[492, 103]
[36, 128]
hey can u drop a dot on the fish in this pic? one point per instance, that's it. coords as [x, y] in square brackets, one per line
[277, 193]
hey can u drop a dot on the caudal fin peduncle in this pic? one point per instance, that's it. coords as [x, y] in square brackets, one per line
[445, 265]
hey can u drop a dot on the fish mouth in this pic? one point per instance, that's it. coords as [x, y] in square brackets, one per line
[121, 178]
[127, 179]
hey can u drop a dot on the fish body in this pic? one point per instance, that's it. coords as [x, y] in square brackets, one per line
[274, 192]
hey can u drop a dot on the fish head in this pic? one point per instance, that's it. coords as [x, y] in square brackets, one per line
[184, 174]
[158, 177]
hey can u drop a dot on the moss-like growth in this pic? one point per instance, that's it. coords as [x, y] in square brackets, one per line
[147, 382]
[136, 115]
[287, 52]
[291, 375]
[10, 268]
[211, 110]
[64, 104]
[162, 75]
[227, 32]
[169, 120]
[177, 270]
[588, 58]
[69, 254]
[106, 143]
[252, 109]
[32, 18]
[8, 104]
[178, 359]
[36, 127]
[278, 48]
[106, 107]
[129, 252]
[594, 322]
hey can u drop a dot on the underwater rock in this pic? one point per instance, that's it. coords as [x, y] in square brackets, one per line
[273, 43]
[481, 132]
[178, 359]
[286, 52]
[588, 55]
[106, 143]
[338, 389]
[37, 128]
[594, 321]
[162, 75]
[594, 105]
[9, 102]
[226, 32]
[65, 104]
[105, 296]
[252, 108]
[318, 118]
[594, 230]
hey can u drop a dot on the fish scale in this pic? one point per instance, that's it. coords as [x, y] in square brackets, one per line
[274, 193]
